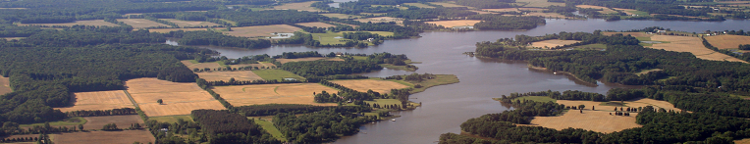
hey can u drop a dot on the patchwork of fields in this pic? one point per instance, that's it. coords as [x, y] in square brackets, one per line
[178, 98]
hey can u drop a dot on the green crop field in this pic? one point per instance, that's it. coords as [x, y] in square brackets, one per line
[172, 119]
[269, 74]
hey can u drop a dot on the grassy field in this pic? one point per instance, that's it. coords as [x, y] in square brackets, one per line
[331, 37]
[5, 85]
[539, 3]
[605, 10]
[172, 119]
[229, 21]
[728, 41]
[454, 23]
[179, 98]
[80, 22]
[296, 93]
[258, 31]
[692, 45]
[141, 23]
[536, 99]
[441, 79]
[98, 100]
[302, 6]
[552, 43]
[642, 72]
[270, 128]
[270, 74]
[631, 12]
[74, 121]
[362, 85]
[419, 5]
[101, 137]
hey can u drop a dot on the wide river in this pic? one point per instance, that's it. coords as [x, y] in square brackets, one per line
[444, 108]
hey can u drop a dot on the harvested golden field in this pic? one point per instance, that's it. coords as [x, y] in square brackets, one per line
[167, 30]
[183, 23]
[100, 137]
[303, 6]
[141, 23]
[552, 43]
[80, 22]
[13, 38]
[178, 98]
[398, 21]
[4, 85]
[299, 93]
[599, 121]
[631, 103]
[692, 45]
[122, 121]
[742, 141]
[227, 75]
[316, 24]
[99, 100]
[454, 23]
[605, 10]
[728, 41]
[191, 65]
[634, 34]
[155, 109]
[381, 86]
[266, 30]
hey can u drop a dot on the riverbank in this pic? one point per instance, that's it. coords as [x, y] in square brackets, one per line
[575, 78]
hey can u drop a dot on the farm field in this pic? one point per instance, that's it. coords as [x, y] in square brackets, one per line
[297, 93]
[419, 5]
[167, 30]
[539, 3]
[303, 6]
[256, 31]
[316, 24]
[448, 4]
[599, 121]
[692, 45]
[552, 43]
[728, 41]
[98, 100]
[80, 22]
[183, 23]
[381, 33]
[68, 122]
[340, 16]
[179, 98]
[191, 64]
[242, 75]
[122, 121]
[5, 85]
[398, 21]
[270, 128]
[381, 86]
[453, 23]
[271, 74]
[141, 23]
[100, 137]
[605, 10]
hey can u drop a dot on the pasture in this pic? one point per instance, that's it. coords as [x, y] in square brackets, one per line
[692, 45]
[316, 24]
[122, 121]
[261, 31]
[5, 85]
[420, 5]
[80, 22]
[547, 44]
[728, 41]
[183, 23]
[98, 100]
[271, 74]
[142, 23]
[454, 23]
[167, 30]
[100, 137]
[178, 98]
[302, 6]
[605, 10]
[270, 128]
[297, 93]
[381, 86]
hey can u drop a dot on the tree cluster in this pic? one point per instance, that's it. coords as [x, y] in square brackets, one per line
[89, 113]
[218, 39]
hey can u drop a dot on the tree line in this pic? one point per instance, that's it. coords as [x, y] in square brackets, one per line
[218, 39]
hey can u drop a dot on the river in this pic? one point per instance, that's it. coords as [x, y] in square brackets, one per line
[444, 108]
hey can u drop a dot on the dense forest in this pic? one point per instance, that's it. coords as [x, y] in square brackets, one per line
[218, 39]
[495, 22]
[322, 126]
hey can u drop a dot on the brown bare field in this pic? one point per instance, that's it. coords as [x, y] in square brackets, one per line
[141, 23]
[453, 23]
[317, 24]
[167, 30]
[179, 98]
[4, 85]
[599, 121]
[692, 45]
[100, 137]
[635, 34]
[226, 76]
[272, 93]
[728, 41]
[80, 22]
[99, 100]
[552, 43]
[122, 121]
[266, 30]
[605, 10]
[398, 21]
[183, 23]
[381, 86]
[303, 6]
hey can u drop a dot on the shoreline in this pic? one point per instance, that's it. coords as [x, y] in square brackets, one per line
[575, 78]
